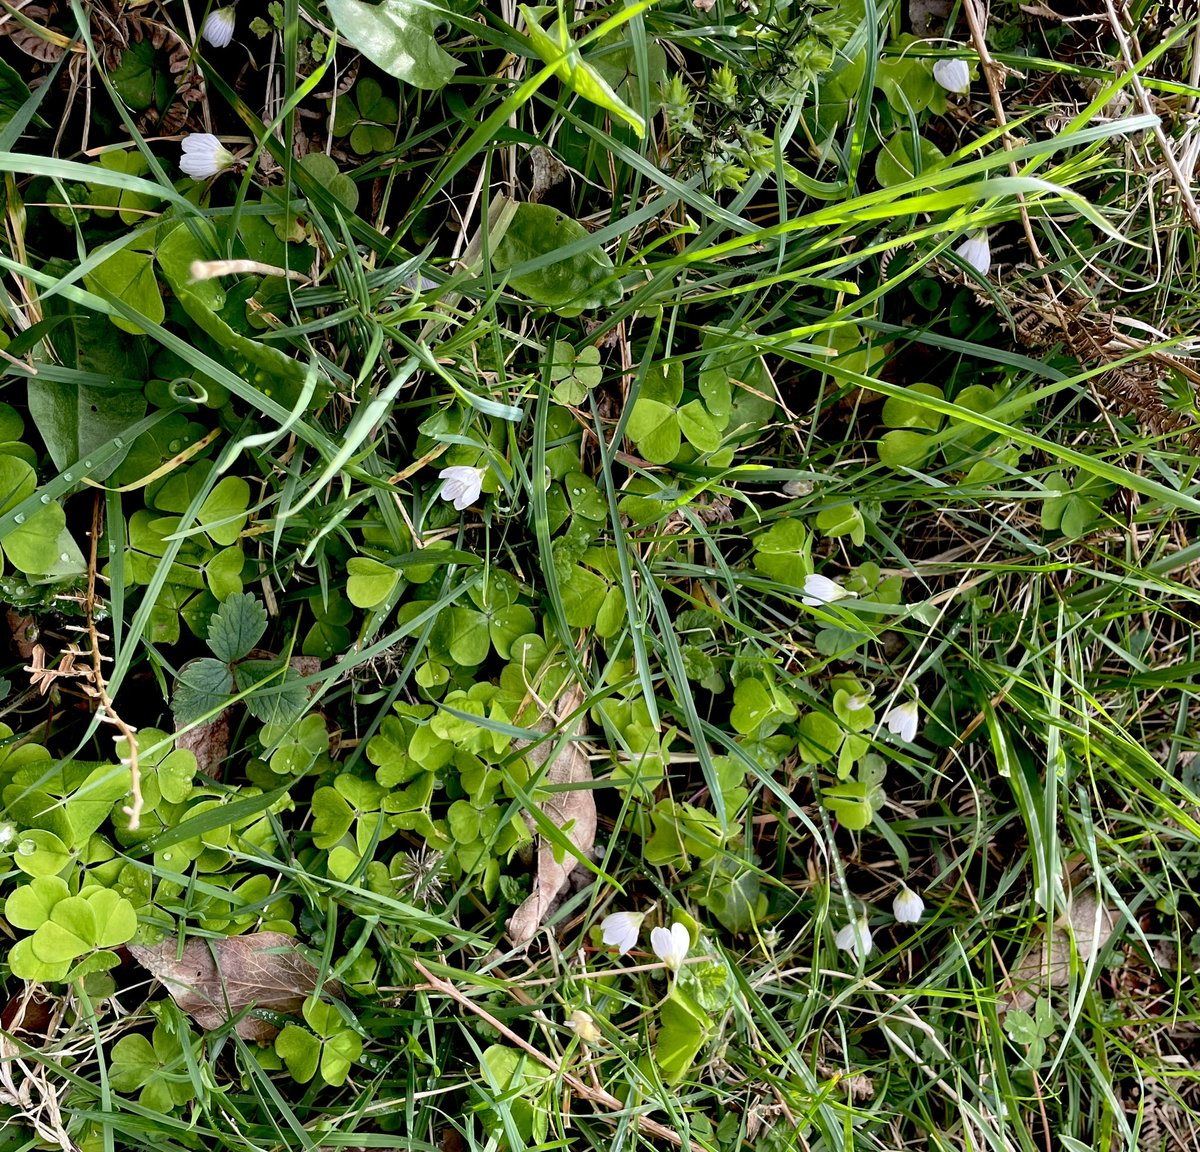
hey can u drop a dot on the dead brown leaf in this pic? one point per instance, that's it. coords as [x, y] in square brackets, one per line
[209, 743]
[573, 810]
[1048, 964]
[214, 980]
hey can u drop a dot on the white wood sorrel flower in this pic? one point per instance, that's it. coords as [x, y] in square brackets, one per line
[204, 156]
[908, 906]
[903, 720]
[620, 930]
[976, 251]
[820, 590]
[953, 75]
[855, 938]
[671, 947]
[218, 27]
[462, 485]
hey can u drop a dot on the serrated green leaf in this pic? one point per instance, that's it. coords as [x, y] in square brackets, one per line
[236, 627]
[204, 687]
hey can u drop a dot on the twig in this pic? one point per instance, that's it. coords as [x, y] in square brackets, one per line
[991, 71]
[586, 1091]
[1191, 210]
[108, 710]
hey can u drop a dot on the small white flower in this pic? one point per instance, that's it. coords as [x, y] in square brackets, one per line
[671, 947]
[908, 906]
[584, 1027]
[462, 485]
[621, 930]
[218, 27]
[953, 75]
[855, 938]
[976, 251]
[820, 590]
[902, 720]
[8, 833]
[204, 156]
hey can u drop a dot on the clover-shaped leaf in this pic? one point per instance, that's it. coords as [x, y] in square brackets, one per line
[40, 853]
[370, 581]
[573, 374]
[30, 906]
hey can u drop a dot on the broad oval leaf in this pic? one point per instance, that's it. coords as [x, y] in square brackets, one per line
[566, 286]
[398, 36]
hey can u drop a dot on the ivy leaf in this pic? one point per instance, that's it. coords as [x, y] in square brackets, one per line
[397, 35]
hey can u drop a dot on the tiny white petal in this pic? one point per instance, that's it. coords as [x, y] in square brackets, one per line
[908, 906]
[820, 590]
[902, 720]
[620, 930]
[671, 947]
[218, 26]
[977, 252]
[462, 485]
[855, 938]
[953, 75]
[204, 156]
[8, 833]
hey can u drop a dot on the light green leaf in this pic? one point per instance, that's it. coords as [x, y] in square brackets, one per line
[654, 428]
[223, 514]
[70, 932]
[133, 1063]
[556, 47]
[40, 853]
[301, 1052]
[29, 906]
[396, 35]
[25, 964]
[370, 581]
[338, 1053]
[699, 427]
[129, 276]
[820, 738]
[683, 1029]
[904, 449]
